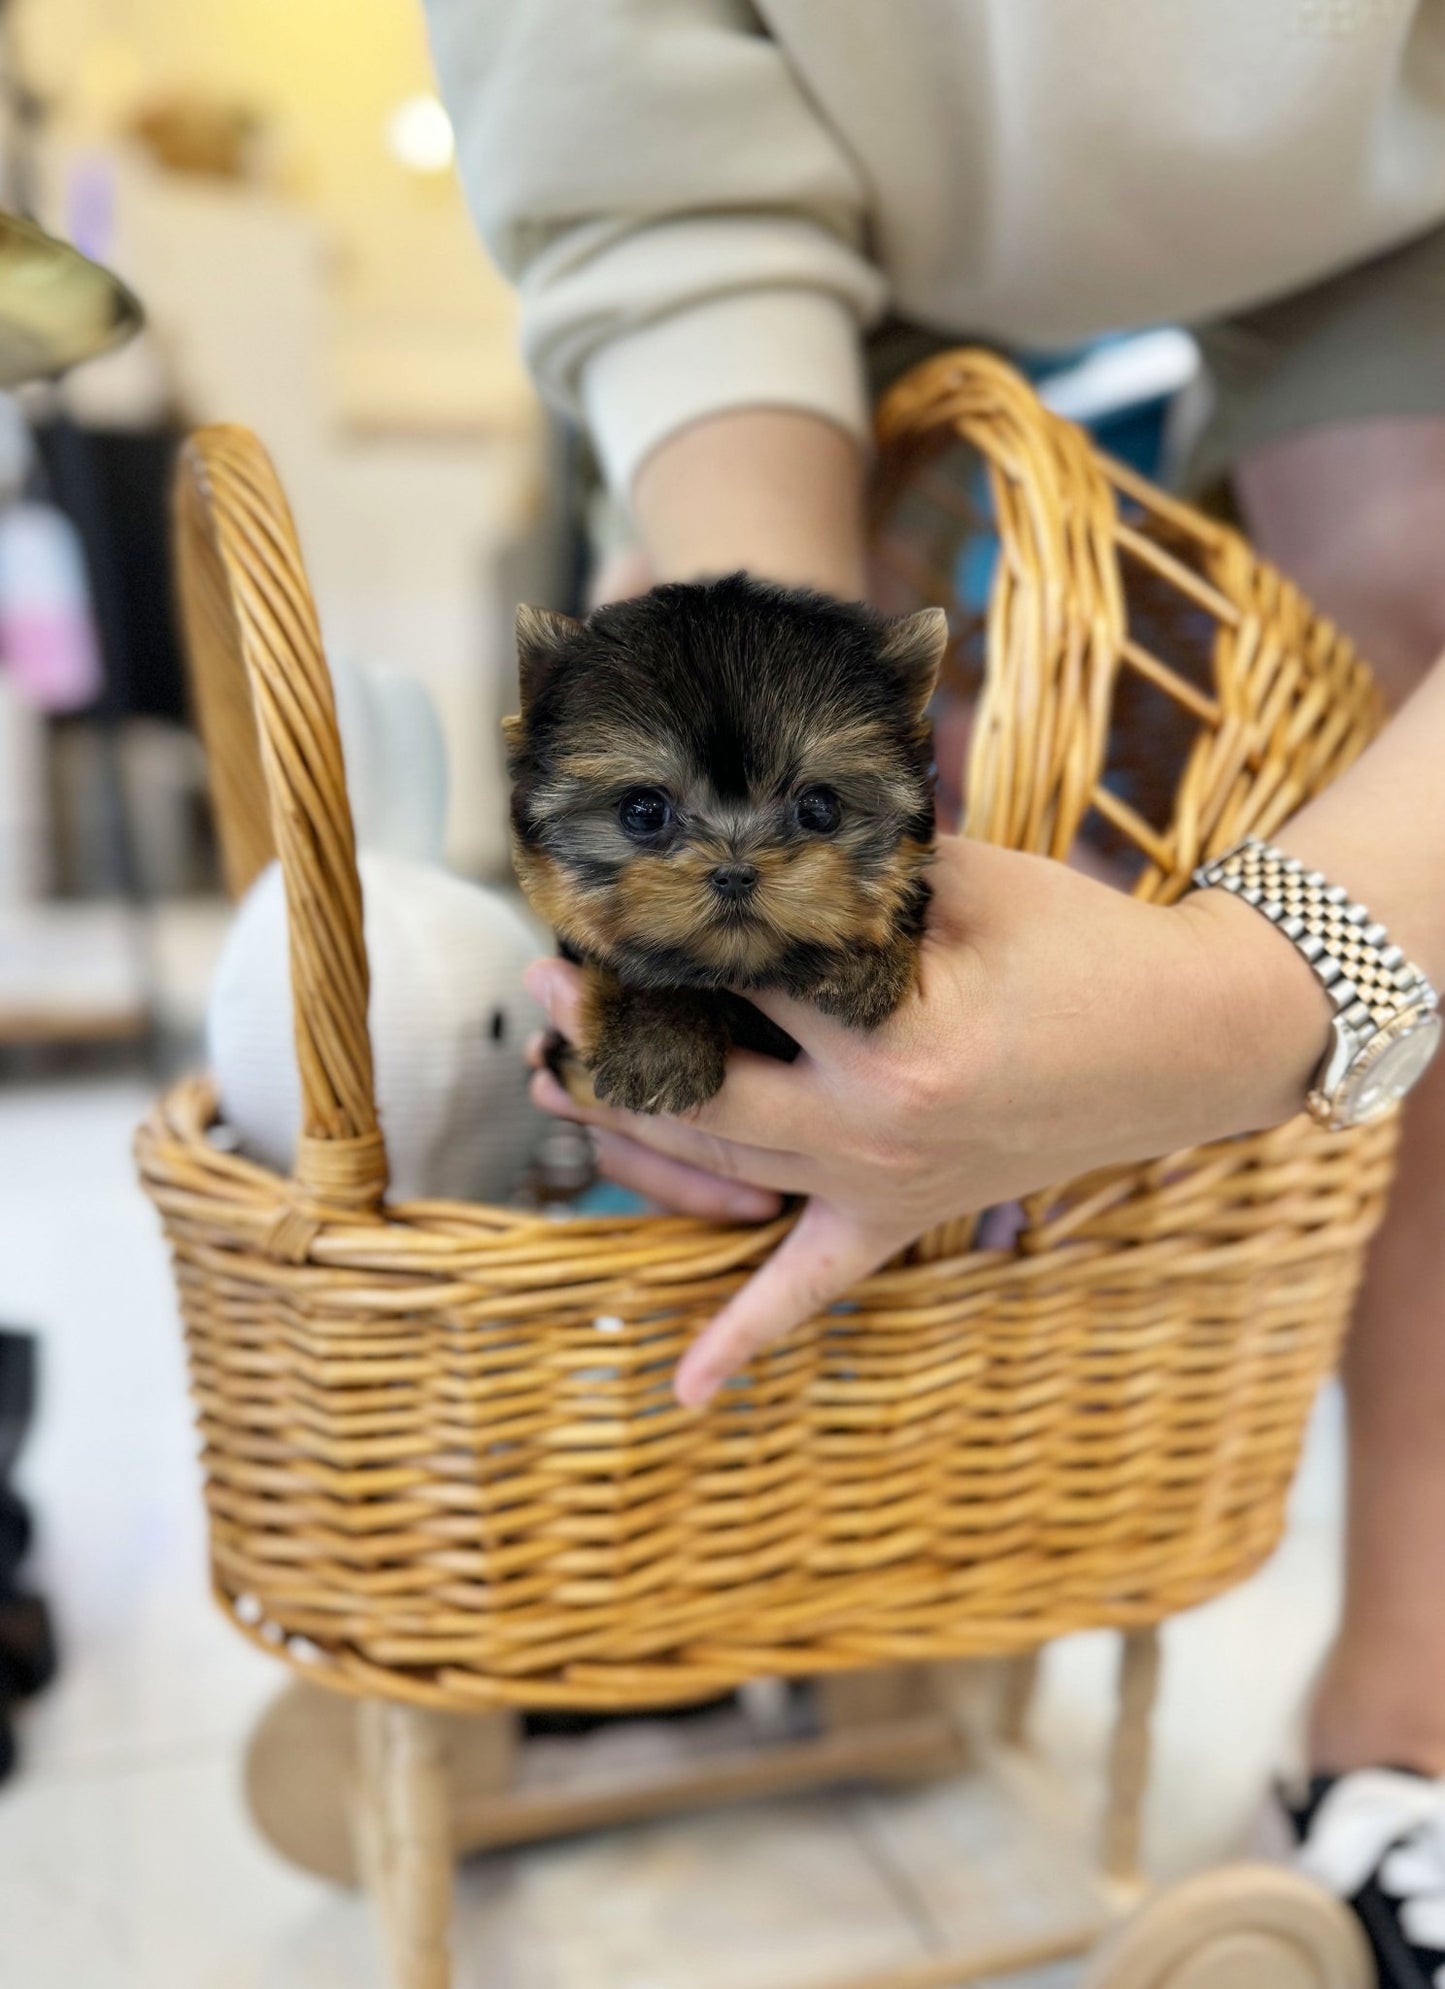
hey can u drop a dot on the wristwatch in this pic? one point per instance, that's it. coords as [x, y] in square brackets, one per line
[1387, 1016]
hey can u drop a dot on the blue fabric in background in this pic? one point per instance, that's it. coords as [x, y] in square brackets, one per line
[604, 1198]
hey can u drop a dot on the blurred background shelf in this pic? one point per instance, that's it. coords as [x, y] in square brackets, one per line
[102, 972]
[71, 973]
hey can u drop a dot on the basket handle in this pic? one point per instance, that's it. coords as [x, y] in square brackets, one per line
[264, 698]
[1056, 613]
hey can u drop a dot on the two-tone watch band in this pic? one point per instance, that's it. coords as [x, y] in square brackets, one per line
[1386, 1025]
[1368, 979]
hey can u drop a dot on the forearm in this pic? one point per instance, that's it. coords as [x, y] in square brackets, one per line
[1354, 513]
[774, 492]
[1380, 829]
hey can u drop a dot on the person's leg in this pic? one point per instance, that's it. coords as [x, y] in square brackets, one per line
[1356, 514]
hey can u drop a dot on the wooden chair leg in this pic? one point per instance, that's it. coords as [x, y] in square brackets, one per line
[848, 1700]
[1016, 1697]
[902, 1702]
[301, 1774]
[403, 1821]
[1129, 1756]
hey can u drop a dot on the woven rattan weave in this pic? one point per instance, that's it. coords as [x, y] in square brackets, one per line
[442, 1461]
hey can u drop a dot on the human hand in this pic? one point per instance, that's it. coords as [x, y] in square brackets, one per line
[1057, 1026]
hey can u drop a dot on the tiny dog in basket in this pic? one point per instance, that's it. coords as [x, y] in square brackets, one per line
[721, 787]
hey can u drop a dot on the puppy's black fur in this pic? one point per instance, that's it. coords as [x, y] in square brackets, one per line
[717, 788]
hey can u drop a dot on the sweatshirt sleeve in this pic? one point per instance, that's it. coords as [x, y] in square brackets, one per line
[685, 232]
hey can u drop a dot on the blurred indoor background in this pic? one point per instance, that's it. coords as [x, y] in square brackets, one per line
[273, 179]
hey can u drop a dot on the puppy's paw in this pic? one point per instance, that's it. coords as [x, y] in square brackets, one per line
[865, 992]
[660, 1073]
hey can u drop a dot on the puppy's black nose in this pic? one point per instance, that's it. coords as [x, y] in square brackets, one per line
[734, 881]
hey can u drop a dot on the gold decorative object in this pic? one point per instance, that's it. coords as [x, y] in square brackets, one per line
[57, 307]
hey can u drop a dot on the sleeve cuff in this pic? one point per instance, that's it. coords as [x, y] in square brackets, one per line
[761, 348]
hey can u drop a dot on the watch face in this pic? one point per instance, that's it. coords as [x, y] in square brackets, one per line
[1390, 1064]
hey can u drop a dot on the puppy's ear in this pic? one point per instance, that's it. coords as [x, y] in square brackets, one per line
[914, 645]
[542, 636]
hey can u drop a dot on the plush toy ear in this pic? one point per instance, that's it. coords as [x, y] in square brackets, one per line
[914, 646]
[542, 635]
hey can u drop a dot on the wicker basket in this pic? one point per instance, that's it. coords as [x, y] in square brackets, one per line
[442, 1461]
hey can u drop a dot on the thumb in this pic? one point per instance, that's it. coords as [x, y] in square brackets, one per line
[557, 985]
[821, 1256]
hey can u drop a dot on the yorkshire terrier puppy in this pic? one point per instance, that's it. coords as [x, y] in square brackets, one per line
[718, 788]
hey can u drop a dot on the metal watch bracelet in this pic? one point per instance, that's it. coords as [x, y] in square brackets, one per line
[1379, 997]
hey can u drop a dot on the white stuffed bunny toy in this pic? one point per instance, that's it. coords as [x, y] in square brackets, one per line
[449, 1016]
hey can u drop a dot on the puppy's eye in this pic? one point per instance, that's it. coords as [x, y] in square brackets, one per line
[818, 810]
[645, 812]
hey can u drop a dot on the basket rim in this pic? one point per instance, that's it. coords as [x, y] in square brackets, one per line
[468, 1245]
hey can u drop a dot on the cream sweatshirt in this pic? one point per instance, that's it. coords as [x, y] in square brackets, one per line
[704, 203]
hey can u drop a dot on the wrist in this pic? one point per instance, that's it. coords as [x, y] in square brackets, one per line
[1265, 1015]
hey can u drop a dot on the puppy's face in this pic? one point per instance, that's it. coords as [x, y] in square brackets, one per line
[717, 780]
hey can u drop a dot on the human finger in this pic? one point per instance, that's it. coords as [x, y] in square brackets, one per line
[785, 1173]
[825, 1253]
[557, 985]
[687, 1190]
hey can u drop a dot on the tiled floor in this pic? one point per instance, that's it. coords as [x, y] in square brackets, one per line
[126, 1861]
